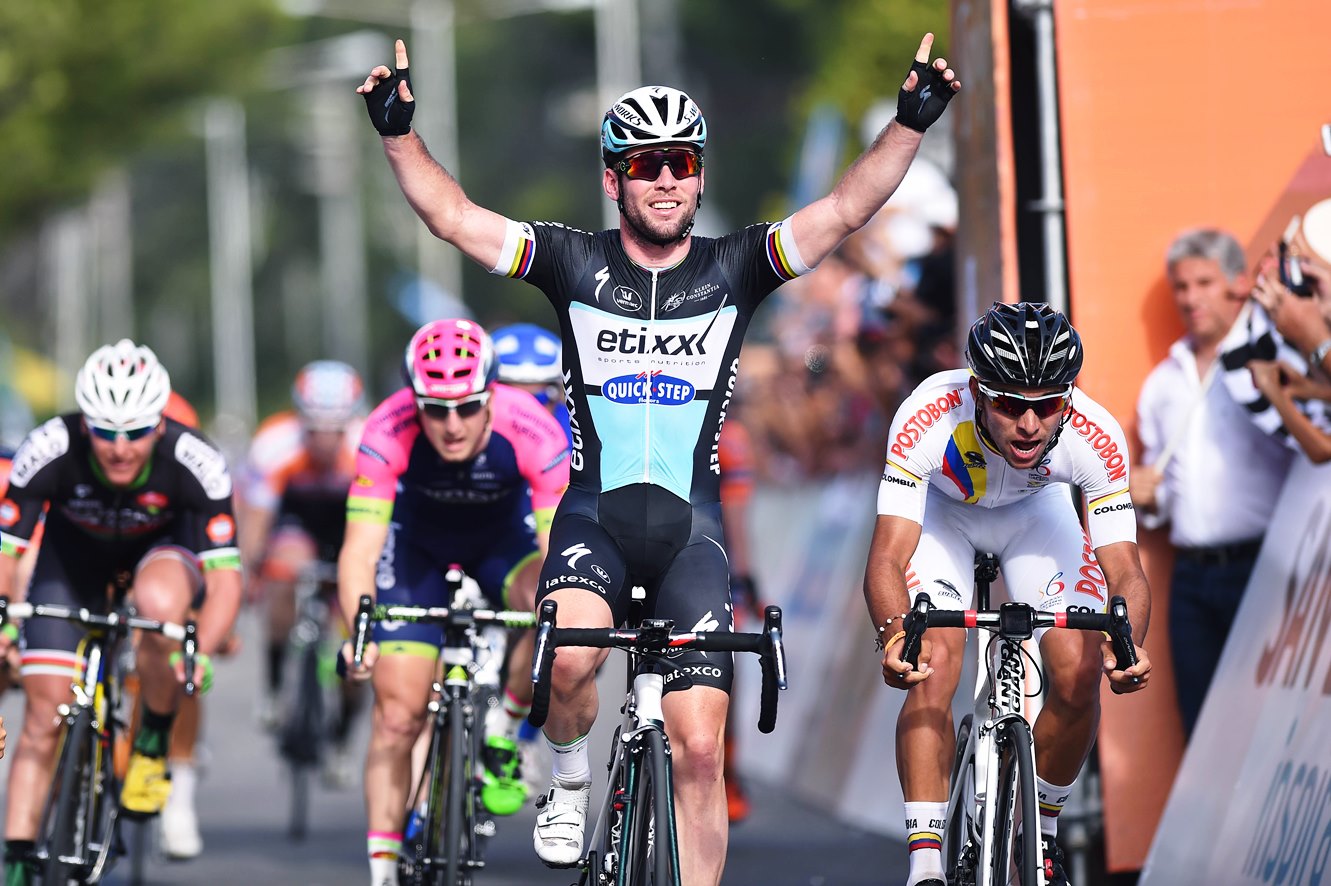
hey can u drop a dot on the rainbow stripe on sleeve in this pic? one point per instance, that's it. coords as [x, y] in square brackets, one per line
[519, 246]
[776, 253]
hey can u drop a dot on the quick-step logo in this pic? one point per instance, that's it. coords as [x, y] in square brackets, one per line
[665, 390]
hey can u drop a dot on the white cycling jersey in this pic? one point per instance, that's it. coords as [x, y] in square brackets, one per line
[942, 474]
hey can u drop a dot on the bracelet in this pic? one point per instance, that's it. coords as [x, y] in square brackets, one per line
[1318, 354]
[895, 637]
[882, 629]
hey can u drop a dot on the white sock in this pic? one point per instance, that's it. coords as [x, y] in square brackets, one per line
[183, 779]
[506, 717]
[383, 849]
[572, 766]
[925, 824]
[1052, 799]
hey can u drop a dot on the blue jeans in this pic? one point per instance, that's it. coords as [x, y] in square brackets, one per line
[1204, 598]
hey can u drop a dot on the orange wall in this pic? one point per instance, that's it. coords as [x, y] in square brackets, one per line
[1175, 113]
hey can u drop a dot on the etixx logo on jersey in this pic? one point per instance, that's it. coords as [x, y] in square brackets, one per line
[627, 299]
[665, 390]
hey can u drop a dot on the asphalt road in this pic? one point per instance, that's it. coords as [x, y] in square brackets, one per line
[243, 807]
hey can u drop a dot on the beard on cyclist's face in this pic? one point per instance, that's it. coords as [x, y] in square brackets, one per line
[1014, 429]
[455, 438]
[660, 211]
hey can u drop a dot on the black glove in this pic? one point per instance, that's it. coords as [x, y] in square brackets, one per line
[388, 112]
[921, 109]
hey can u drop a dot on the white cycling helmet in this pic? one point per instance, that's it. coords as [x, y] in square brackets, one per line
[328, 394]
[122, 386]
[651, 115]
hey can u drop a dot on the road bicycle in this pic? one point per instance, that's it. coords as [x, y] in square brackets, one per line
[446, 848]
[315, 700]
[79, 839]
[991, 791]
[634, 841]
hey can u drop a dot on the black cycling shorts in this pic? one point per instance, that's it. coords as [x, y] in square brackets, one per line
[643, 535]
[66, 580]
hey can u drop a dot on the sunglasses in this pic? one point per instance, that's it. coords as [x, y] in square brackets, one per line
[1014, 405]
[467, 407]
[110, 435]
[647, 165]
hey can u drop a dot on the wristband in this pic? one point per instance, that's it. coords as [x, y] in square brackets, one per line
[1318, 354]
[10, 630]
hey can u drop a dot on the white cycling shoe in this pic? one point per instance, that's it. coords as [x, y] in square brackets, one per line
[560, 824]
[179, 823]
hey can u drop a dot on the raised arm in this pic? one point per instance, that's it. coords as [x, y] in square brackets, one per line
[872, 178]
[432, 192]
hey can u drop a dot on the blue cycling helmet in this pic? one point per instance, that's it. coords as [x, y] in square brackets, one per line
[528, 355]
[651, 115]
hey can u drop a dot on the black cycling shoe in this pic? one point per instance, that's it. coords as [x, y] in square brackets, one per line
[1054, 875]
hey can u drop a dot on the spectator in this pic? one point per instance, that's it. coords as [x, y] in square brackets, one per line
[1303, 323]
[1216, 525]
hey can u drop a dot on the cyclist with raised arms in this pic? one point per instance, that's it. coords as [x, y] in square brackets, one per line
[453, 468]
[651, 318]
[293, 495]
[137, 503]
[980, 461]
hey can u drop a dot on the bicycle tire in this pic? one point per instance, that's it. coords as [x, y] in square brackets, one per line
[301, 740]
[1016, 788]
[650, 856]
[62, 839]
[456, 837]
[419, 849]
[959, 854]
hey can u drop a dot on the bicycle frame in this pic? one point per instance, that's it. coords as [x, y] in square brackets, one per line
[994, 762]
[302, 736]
[642, 713]
[628, 846]
[974, 798]
[78, 836]
[451, 783]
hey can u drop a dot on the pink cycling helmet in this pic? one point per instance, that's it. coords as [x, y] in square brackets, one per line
[450, 359]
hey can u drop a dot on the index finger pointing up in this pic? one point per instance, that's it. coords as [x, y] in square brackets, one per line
[922, 54]
[401, 49]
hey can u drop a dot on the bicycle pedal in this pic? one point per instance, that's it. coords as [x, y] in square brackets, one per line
[485, 829]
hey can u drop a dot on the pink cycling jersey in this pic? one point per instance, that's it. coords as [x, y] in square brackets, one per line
[400, 477]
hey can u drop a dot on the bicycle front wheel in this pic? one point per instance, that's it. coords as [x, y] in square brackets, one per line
[1016, 801]
[649, 852]
[302, 737]
[458, 824]
[958, 850]
[66, 818]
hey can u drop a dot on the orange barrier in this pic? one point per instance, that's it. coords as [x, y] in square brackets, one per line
[1174, 114]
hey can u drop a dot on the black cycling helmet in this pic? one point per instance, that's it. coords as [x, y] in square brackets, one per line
[1026, 345]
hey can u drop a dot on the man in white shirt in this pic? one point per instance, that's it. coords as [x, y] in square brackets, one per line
[1207, 470]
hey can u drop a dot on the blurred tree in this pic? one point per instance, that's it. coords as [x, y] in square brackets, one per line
[83, 83]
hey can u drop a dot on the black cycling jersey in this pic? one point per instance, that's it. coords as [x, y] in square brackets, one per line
[650, 360]
[650, 356]
[183, 497]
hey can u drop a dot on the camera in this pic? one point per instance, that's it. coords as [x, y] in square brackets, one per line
[1291, 273]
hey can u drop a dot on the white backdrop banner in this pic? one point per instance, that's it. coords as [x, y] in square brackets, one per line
[1252, 801]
